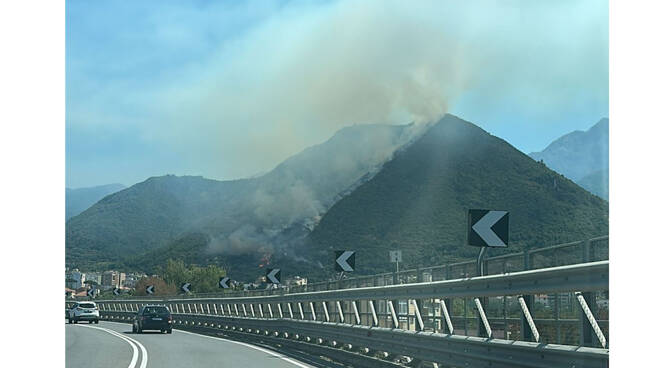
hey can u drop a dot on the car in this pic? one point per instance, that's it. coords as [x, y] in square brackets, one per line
[84, 311]
[153, 317]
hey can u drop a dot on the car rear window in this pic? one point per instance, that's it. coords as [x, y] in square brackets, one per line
[86, 305]
[155, 310]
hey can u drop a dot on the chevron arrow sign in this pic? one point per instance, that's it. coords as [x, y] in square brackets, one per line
[488, 228]
[273, 275]
[345, 260]
[224, 282]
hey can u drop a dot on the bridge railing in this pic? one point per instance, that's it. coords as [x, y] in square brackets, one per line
[500, 314]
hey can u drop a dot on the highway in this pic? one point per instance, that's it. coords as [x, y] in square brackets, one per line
[113, 345]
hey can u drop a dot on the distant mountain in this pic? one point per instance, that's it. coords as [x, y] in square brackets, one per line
[80, 199]
[418, 203]
[242, 219]
[582, 157]
[597, 183]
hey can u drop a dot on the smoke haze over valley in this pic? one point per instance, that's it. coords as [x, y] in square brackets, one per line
[227, 90]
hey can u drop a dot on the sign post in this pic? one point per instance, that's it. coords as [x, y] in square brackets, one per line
[395, 257]
[486, 229]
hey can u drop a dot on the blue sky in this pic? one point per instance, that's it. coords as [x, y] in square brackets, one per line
[229, 89]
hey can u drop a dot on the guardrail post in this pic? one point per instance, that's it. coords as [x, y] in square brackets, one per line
[358, 321]
[311, 307]
[528, 320]
[525, 330]
[586, 251]
[587, 335]
[340, 312]
[374, 316]
[395, 315]
[419, 326]
[325, 311]
[448, 327]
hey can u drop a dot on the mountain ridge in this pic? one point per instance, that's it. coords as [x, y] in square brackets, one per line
[582, 156]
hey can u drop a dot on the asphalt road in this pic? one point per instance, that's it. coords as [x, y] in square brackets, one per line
[113, 345]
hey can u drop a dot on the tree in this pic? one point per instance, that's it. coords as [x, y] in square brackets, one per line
[160, 287]
[203, 279]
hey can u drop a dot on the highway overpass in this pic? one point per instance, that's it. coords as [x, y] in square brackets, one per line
[452, 322]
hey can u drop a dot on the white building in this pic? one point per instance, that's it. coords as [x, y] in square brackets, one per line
[74, 279]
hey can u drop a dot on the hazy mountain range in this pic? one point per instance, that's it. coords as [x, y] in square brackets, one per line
[369, 188]
[582, 157]
[80, 199]
[239, 217]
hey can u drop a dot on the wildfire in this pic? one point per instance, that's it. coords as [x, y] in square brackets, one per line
[265, 260]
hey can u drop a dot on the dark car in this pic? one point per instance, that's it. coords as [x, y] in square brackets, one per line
[153, 317]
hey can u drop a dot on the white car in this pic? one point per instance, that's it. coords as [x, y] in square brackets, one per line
[84, 311]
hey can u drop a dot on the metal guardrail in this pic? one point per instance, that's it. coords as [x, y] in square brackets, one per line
[590, 250]
[370, 317]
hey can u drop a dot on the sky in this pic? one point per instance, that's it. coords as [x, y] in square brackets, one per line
[229, 89]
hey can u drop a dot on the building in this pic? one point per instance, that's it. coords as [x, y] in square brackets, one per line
[132, 279]
[296, 281]
[74, 279]
[112, 279]
[94, 276]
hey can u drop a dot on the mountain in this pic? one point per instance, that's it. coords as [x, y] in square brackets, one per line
[80, 199]
[597, 183]
[243, 219]
[418, 203]
[582, 157]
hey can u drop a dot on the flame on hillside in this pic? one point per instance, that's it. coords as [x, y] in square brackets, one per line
[265, 260]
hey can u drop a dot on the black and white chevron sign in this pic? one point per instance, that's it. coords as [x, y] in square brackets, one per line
[116, 291]
[224, 282]
[345, 260]
[488, 228]
[185, 287]
[273, 275]
[150, 289]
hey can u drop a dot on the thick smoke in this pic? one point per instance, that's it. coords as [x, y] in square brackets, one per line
[309, 71]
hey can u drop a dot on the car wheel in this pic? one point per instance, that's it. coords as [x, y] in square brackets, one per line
[70, 321]
[75, 321]
[96, 322]
[134, 329]
[169, 331]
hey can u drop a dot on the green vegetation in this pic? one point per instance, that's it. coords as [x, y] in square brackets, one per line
[418, 203]
[203, 279]
[175, 273]
[249, 217]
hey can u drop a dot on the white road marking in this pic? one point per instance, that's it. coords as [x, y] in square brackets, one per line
[298, 364]
[135, 350]
[252, 347]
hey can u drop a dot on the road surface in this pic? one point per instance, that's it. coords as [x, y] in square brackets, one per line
[113, 345]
